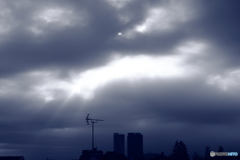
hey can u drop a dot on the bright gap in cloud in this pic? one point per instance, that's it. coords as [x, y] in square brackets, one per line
[48, 86]
[129, 68]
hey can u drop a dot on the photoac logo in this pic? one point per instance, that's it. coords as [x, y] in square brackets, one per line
[212, 153]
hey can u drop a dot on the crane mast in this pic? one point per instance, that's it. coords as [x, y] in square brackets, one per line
[92, 121]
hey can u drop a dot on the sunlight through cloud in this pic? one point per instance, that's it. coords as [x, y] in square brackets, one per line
[128, 68]
[48, 86]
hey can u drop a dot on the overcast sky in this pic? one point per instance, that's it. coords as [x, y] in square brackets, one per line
[168, 69]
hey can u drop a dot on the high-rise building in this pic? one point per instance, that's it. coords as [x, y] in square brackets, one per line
[118, 143]
[135, 146]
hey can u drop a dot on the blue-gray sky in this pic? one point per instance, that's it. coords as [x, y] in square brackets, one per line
[168, 69]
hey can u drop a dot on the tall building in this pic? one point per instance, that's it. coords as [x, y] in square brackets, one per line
[118, 143]
[135, 146]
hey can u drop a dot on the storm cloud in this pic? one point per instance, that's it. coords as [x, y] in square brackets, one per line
[168, 69]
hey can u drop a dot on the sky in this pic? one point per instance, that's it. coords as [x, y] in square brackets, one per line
[168, 69]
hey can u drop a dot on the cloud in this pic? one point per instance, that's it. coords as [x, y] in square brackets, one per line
[164, 17]
[228, 82]
[84, 84]
[7, 20]
[172, 72]
[127, 68]
[118, 3]
[57, 17]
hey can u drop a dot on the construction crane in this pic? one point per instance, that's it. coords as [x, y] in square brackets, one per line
[92, 121]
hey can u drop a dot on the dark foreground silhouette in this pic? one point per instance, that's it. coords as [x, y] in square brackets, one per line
[179, 152]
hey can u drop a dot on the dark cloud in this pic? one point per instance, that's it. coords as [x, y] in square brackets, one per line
[218, 25]
[60, 61]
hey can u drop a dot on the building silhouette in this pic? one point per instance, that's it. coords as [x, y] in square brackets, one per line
[12, 158]
[118, 143]
[93, 154]
[135, 146]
